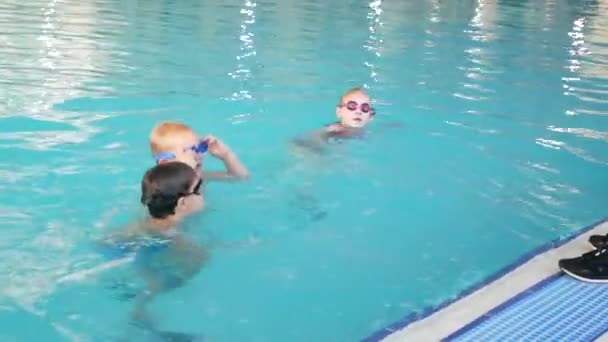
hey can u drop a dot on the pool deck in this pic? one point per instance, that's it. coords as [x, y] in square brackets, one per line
[436, 324]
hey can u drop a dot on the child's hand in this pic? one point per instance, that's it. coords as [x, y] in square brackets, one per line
[217, 148]
[235, 170]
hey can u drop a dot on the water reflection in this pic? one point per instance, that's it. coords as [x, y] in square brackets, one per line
[242, 73]
[595, 40]
[588, 40]
[48, 66]
[434, 14]
[587, 35]
[44, 58]
[484, 19]
[578, 41]
[374, 42]
[581, 132]
[478, 68]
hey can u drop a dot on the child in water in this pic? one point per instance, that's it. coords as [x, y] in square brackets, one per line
[175, 141]
[171, 191]
[354, 112]
[164, 257]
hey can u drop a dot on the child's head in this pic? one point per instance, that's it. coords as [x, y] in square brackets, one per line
[174, 141]
[171, 190]
[355, 108]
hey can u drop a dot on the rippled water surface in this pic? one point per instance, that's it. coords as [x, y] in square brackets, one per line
[490, 140]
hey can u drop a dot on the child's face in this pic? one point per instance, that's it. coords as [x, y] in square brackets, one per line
[355, 110]
[181, 147]
[192, 201]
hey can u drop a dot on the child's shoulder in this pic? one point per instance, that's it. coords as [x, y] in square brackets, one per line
[334, 127]
[334, 130]
[337, 130]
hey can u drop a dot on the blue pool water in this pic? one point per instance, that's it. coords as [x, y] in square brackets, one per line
[490, 139]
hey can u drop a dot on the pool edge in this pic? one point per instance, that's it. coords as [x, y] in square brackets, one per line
[397, 330]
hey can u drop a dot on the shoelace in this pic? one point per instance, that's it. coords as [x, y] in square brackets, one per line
[594, 253]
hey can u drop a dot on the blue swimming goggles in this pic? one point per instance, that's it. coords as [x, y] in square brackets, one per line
[199, 148]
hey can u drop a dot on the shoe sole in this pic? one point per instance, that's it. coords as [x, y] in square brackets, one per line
[586, 280]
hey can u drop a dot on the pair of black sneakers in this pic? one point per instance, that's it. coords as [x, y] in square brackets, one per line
[591, 266]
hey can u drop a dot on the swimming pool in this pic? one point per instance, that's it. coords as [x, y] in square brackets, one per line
[500, 146]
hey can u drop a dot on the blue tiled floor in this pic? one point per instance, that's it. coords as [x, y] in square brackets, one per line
[558, 309]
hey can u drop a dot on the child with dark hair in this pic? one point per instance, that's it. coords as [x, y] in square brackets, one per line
[162, 255]
[170, 191]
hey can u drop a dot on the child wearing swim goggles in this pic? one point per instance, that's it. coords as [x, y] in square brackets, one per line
[354, 112]
[174, 141]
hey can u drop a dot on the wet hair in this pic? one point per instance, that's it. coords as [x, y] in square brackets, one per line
[163, 185]
[166, 130]
[352, 91]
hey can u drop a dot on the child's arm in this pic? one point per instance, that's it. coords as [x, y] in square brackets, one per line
[316, 140]
[124, 237]
[313, 142]
[235, 170]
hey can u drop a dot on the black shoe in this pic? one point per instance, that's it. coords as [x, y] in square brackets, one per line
[590, 267]
[599, 241]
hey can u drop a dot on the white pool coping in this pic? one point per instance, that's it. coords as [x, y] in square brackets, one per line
[460, 313]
